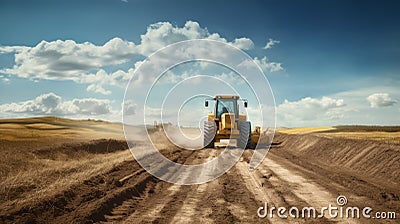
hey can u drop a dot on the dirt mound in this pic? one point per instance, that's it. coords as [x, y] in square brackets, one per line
[92, 189]
[371, 158]
[72, 150]
[301, 171]
[91, 200]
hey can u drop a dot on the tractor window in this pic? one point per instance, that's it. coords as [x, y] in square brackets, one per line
[225, 106]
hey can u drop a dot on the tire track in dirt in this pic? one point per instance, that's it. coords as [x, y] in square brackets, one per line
[182, 208]
[107, 199]
[240, 203]
[190, 207]
[128, 205]
[294, 188]
[360, 191]
[91, 199]
[223, 200]
[165, 203]
[283, 179]
[150, 208]
[304, 188]
[255, 186]
[281, 187]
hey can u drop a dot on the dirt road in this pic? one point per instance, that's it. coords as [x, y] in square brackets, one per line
[128, 194]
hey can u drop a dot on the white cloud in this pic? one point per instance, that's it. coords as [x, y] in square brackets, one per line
[86, 62]
[377, 100]
[5, 80]
[161, 34]
[309, 111]
[153, 113]
[98, 88]
[271, 42]
[91, 106]
[266, 65]
[101, 78]
[359, 111]
[12, 49]
[243, 43]
[129, 107]
[231, 78]
[52, 104]
[227, 77]
[68, 60]
[171, 77]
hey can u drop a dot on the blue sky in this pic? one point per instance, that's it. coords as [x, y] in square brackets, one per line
[338, 60]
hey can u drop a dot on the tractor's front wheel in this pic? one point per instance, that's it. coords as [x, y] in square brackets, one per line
[244, 140]
[209, 134]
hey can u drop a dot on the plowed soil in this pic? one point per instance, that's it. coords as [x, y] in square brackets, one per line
[300, 170]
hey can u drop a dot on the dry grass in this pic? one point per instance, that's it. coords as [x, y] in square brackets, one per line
[45, 129]
[387, 134]
[46, 178]
[387, 137]
[27, 176]
[305, 130]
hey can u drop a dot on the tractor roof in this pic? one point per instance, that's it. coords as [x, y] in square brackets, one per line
[226, 97]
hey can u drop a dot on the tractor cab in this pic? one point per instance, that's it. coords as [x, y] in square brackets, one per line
[226, 105]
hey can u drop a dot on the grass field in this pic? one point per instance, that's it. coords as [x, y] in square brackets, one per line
[387, 134]
[60, 164]
[46, 155]
[47, 129]
[304, 130]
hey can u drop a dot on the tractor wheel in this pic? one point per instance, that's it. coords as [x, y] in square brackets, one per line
[209, 134]
[244, 140]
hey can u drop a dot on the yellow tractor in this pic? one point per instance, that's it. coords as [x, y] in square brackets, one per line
[227, 123]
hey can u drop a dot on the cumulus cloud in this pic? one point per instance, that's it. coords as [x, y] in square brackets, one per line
[243, 43]
[309, 110]
[271, 42]
[52, 104]
[162, 34]
[101, 78]
[228, 77]
[378, 100]
[89, 106]
[266, 65]
[129, 107]
[68, 60]
[87, 62]
[12, 49]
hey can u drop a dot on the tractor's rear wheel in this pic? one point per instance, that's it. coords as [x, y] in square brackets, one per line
[244, 140]
[209, 134]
